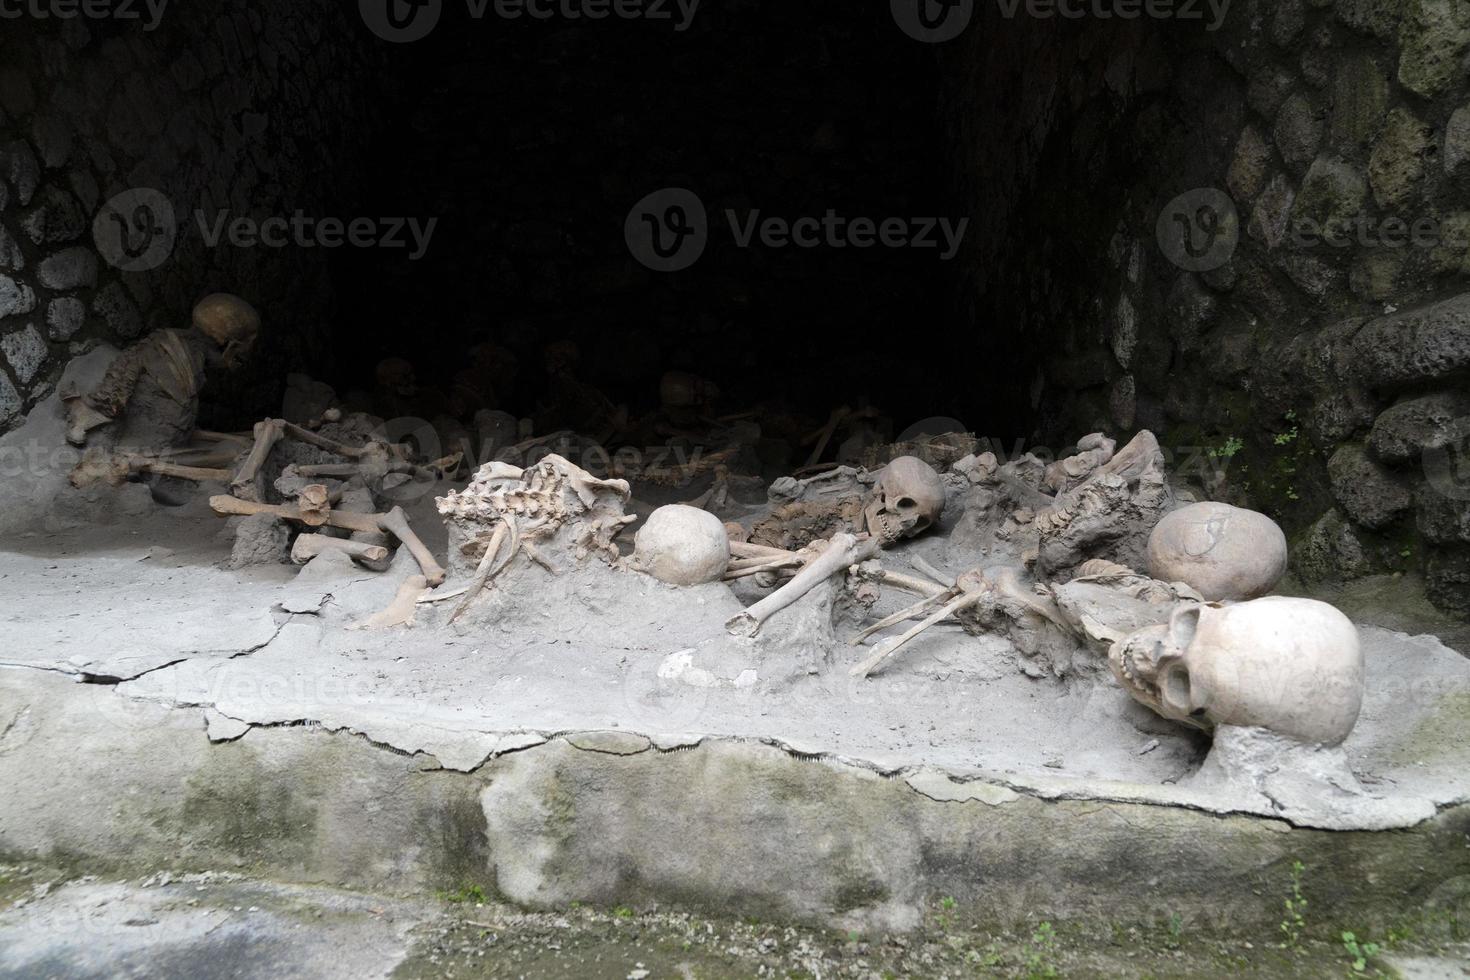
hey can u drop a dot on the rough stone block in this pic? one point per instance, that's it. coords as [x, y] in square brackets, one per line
[1270, 222]
[64, 317]
[70, 268]
[1298, 132]
[1424, 344]
[1248, 168]
[1403, 432]
[12, 259]
[1369, 494]
[10, 402]
[1377, 17]
[117, 310]
[26, 352]
[1444, 513]
[16, 298]
[17, 160]
[57, 218]
[1334, 190]
[1360, 101]
[1447, 580]
[1397, 163]
[1432, 40]
[1330, 551]
[1457, 143]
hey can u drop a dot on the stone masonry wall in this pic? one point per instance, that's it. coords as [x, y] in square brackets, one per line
[1325, 381]
[247, 107]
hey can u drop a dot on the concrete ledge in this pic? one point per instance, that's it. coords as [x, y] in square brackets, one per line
[715, 824]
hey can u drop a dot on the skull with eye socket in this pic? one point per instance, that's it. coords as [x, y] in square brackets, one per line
[1290, 666]
[907, 500]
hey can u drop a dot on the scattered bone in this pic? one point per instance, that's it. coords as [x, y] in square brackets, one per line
[400, 611]
[971, 587]
[267, 434]
[948, 581]
[308, 546]
[842, 552]
[394, 522]
[504, 532]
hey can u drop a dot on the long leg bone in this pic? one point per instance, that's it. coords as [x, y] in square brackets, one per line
[945, 580]
[843, 551]
[884, 654]
[395, 522]
[267, 434]
[488, 567]
[916, 609]
[158, 467]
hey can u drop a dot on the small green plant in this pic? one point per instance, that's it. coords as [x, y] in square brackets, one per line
[1290, 436]
[948, 904]
[1176, 930]
[622, 912]
[1359, 952]
[1039, 965]
[468, 894]
[1228, 450]
[1295, 921]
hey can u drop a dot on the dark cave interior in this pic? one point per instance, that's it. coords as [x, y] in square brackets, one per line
[530, 143]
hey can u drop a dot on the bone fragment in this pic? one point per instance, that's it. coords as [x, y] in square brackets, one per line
[267, 434]
[400, 611]
[843, 551]
[487, 568]
[308, 546]
[394, 522]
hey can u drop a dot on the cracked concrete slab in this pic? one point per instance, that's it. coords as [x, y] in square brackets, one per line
[200, 926]
[959, 705]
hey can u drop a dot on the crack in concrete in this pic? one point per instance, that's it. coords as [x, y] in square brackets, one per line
[1082, 793]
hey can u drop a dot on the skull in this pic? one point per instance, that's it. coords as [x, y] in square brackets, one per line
[1223, 552]
[682, 545]
[1290, 666]
[906, 501]
[231, 323]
